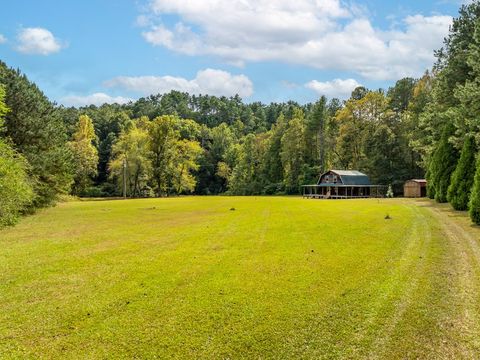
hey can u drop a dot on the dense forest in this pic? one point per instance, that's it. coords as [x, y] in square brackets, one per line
[176, 143]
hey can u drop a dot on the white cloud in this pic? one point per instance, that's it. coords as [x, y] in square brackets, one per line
[143, 20]
[336, 88]
[3, 39]
[37, 41]
[323, 34]
[208, 81]
[93, 99]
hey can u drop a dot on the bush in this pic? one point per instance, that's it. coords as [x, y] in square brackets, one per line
[274, 189]
[15, 189]
[389, 192]
[93, 192]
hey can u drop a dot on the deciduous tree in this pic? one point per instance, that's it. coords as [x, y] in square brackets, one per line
[85, 154]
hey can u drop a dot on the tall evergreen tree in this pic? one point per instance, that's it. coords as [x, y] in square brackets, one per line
[316, 138]
[293, 152]
[468, 94]
[37, 131]
[474, 204]
[462, 178]
[442, 165]
[273, 169]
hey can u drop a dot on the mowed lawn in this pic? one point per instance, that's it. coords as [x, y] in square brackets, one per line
[240, 277]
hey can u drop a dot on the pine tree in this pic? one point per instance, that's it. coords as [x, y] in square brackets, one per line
[430, 185]
[37, 132]
[316, 128]
[442, 165]
[474, 204]
[462, 178]
[272, 162]
[293, 152]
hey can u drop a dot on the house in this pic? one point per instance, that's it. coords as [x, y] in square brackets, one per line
[415, 188]
[343, 184]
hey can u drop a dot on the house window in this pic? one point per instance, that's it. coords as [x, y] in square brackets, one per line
[334, 179]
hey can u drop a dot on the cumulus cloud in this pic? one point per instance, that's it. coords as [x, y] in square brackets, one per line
[208, 81]
[3, 39]
[93, 99]
[336, 88]
[324, 34]
[37, 41]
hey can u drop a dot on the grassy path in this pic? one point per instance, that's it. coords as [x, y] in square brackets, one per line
[465, 274]
[279, 277]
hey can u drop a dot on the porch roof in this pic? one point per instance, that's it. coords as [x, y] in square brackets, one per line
[342, 185]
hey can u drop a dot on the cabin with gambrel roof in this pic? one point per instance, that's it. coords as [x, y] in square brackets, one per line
[343, 184]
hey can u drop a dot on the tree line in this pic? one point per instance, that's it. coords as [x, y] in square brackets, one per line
[177, 143]
[449, 118]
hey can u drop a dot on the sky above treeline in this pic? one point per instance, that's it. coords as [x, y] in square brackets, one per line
[96, 51]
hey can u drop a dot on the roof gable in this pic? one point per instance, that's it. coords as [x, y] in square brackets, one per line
[348, 177]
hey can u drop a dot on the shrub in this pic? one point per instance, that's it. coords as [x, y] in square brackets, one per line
[15, 189]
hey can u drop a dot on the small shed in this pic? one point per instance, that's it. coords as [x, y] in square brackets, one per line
[415, 188]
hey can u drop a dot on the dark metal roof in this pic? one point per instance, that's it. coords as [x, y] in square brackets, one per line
[350, 177]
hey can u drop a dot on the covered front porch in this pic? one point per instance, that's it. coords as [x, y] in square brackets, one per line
[339, 191]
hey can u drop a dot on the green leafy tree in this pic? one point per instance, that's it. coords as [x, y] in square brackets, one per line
[224, 171]
[357, 121]
[3, 107]
[187, 153]
[462, 178]
[16, 191]
[216, 145]
[132, 151]
[245, 175]
[163, 135]
[85, 154]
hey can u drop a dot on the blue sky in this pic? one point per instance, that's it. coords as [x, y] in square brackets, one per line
[95, 51]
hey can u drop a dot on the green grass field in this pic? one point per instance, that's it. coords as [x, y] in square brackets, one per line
[278, 277]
